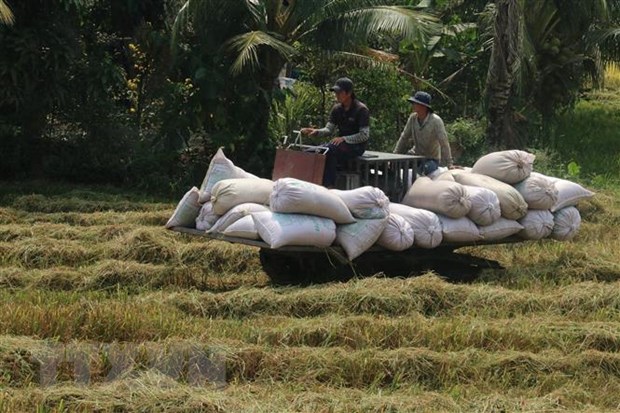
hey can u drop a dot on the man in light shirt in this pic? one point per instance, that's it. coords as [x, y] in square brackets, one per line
[425, 135]
[351, 117]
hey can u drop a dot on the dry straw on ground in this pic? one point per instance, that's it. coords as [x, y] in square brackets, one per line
[90, 269]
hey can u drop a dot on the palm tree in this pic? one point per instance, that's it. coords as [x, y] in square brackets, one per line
[260, 36]
[542, 51]
[604, 38]
[6, 16]
[502, 73]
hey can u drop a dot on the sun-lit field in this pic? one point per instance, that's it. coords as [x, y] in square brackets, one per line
[612, 76]
[101, 306]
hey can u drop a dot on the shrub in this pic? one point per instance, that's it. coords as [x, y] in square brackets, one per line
[467, 140]
[295, 109]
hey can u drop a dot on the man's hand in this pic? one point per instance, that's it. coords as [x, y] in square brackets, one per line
[337, 141]
[309, 131]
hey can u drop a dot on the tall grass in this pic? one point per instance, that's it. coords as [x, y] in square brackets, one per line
[612, 76]
[588, 135]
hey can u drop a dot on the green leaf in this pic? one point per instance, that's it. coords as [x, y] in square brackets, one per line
[573, 169]
[246, 47]
[6, 16]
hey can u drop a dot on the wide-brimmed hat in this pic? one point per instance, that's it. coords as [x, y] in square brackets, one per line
[344, 84]
[421, 98]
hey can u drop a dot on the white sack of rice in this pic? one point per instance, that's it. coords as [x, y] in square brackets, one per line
[538, 191]
[537, 224]
[397, 235]
[500, 229]
[279, 230]
[446, 176]
[566, 223]
[292, 195]
[229, 193]
[186, 211]
[425, 224]
[510, 166]
[511, 203]
[459, 230]
[242, 228]
[485, 209]
[569, 193]
[443, 197]
[206, 218]
[236, 213]
[367, 202]
[357, 237]
[220, 168]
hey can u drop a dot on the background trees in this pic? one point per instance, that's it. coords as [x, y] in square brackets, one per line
[543, 54]
[143, 92]
[247, 44]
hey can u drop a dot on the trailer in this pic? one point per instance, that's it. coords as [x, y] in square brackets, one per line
[394, 175]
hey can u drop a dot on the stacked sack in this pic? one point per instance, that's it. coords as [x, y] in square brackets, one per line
[287, 212]
[531, 205]
[497, 198]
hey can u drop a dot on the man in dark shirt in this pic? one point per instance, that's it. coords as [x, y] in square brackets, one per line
[351, 117]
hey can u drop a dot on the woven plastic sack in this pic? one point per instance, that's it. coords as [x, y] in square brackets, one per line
[537, 224]
[566, 224]
[242, 228]
[485, 209]
[220, 168]
[397, 235]
[538, 191]
[511, 203]
[459, 230]
[445, 176]
[425, 224]
[443, 197]
[229, 193]
[236, 213]
[507, 166]
[357, 237]
[569, 193]
[206, 218]
[186, 211]
[367, 202]
[500, 229]
[279, 230]
[292, 195]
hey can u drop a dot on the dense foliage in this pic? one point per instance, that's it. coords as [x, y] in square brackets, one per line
[143, 92]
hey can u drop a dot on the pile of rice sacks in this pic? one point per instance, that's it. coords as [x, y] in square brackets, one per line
[500, 196]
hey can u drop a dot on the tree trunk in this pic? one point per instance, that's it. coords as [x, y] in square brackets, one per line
[259, 151]
[503, 66]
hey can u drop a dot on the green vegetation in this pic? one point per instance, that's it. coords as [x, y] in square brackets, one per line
[141, 94]
[589, 135]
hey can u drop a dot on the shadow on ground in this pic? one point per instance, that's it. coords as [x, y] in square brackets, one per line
[296, 268]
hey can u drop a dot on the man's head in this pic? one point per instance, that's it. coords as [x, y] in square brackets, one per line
[421, 103]
[343, 89]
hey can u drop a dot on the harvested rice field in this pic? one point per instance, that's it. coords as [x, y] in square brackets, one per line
[103, 310]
